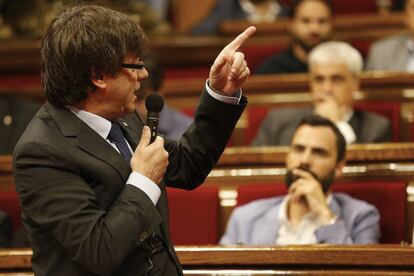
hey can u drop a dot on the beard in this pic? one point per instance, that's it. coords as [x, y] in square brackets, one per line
[258, 1]
[306, 46]
[325, 182]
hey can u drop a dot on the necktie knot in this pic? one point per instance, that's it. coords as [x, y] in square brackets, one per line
[117, 137]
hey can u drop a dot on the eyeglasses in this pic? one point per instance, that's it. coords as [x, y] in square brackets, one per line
[138, 66]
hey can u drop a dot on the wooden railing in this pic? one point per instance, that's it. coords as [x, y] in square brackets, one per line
[286, 260]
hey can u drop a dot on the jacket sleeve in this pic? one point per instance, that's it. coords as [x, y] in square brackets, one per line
[364, 229]
[55, 197]
[192, 158]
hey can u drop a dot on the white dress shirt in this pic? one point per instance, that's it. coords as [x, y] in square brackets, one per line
[346, 129]
[304, 233]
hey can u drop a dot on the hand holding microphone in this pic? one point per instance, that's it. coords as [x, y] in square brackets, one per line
[150, 158]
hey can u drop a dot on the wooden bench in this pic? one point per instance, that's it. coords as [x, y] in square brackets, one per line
[286, 260]
[244, 166]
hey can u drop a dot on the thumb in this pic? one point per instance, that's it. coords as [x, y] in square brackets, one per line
[145, 137]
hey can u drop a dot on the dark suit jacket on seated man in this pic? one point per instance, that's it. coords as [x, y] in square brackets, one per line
[334, 77]
[310, 213]
[92, 191]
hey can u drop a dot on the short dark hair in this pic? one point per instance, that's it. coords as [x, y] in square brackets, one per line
[84, 42]
[318, 121]
[296, 3]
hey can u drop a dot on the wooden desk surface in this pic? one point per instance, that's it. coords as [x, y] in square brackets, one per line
[286, 260]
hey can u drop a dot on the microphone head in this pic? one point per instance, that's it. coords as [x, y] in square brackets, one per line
[154, 102]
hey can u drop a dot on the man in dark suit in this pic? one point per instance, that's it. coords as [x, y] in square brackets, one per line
[334, 77]
[311, 23]
[15, 113]
[92, 192]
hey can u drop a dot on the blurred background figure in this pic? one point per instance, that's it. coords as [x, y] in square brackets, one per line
[161, 7]
[334, 69]
[251, 10]
[15, 113]
[28, 19]
[310, 24]
[395, 53]
[172, 123]
[310, 213]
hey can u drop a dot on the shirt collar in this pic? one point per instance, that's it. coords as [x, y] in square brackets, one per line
[99, 124]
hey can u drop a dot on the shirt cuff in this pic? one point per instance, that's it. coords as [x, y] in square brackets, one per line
[235, 99]
[347, 131]
[146, 185]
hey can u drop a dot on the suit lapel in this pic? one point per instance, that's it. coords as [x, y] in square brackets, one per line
[88, 140]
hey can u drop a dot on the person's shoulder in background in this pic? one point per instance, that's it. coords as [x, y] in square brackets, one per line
[281, 63]
[384, 53]
[173, 123]
[15, 114]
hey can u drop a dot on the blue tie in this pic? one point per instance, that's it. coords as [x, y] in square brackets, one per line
[117, 137]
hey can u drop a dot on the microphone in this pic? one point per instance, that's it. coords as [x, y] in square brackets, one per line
[154, 104]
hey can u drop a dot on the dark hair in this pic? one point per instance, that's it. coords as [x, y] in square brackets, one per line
[296, 3]
[316, 121]
[84, 42]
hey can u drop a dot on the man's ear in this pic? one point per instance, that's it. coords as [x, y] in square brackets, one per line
[338, 170]
[99, 81]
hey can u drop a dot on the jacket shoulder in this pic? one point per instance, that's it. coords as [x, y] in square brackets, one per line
[389, 42]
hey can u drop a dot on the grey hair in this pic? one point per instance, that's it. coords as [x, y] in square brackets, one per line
[337, 51]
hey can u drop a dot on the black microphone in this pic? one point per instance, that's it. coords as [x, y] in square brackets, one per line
[154, 104]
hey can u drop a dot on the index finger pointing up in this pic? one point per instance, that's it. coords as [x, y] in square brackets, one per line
[240, 39]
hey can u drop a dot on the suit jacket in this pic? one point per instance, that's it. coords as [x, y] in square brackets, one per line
[80, 216]
[15, 114]
[256, 222]
[279, 126]
[390, 54]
